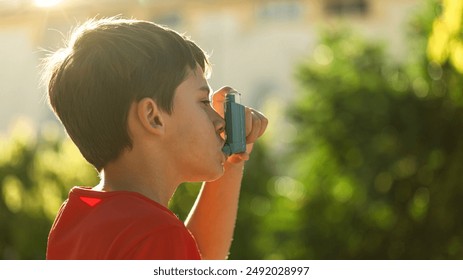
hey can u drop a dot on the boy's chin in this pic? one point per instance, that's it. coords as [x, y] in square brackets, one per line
[213, 176]
[208, 176]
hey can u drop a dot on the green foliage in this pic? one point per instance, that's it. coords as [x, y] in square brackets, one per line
[254, 233]
[379, 153]
[183, 199]
[36, 173]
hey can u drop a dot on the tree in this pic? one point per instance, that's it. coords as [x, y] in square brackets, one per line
[36, 174]
[379, 150]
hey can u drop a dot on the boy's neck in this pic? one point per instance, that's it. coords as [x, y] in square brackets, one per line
[122, 175]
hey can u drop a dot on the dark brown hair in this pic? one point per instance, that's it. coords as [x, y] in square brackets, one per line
[107, 65]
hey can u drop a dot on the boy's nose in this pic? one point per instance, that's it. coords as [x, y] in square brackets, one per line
[220, 125]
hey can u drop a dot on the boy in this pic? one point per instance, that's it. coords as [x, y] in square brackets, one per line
[133, 97]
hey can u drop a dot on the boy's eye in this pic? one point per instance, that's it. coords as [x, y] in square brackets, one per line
[206, 102]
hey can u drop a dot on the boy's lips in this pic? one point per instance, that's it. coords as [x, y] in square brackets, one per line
[222, 144]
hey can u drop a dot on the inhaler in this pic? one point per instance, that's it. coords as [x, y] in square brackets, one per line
[235, 125]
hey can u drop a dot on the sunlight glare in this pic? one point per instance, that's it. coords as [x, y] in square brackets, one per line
[46, 3]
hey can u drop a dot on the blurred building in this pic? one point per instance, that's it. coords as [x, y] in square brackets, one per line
[254, 44]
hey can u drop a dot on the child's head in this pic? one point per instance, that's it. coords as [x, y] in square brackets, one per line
[107, 65]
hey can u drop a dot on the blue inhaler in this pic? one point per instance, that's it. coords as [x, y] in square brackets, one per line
[235, 125]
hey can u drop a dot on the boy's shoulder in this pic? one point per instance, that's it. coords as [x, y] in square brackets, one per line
[110, 213]
[120, 206]
[93, 225]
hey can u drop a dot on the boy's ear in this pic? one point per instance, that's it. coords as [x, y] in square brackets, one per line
[150, 116]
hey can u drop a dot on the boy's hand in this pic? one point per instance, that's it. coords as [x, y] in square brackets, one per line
[256, 123]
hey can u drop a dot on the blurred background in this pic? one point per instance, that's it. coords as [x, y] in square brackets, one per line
[363, 156]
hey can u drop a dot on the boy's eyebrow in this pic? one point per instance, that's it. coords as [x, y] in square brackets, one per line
[206, 89]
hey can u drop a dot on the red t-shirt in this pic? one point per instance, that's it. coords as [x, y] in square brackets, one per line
[117, 225]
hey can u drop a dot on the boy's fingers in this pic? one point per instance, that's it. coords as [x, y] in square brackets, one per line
[256, 124]
[263, 122]
[237, 158]
[218, 99]
[254, 134]
[248, 120]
